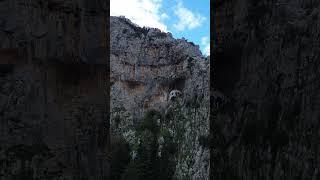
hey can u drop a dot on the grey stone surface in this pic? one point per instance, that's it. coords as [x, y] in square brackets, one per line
[146, 65]
[174, 94]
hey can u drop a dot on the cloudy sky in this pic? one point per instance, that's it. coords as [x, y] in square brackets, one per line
[183, 18]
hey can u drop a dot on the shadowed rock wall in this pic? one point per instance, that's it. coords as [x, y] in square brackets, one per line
[54, 90]
[265, 90]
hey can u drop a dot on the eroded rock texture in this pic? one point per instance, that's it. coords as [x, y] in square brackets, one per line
[265, 103]
[146, 65]
[53, 92]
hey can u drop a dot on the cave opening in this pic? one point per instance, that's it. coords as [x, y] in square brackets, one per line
[177, 84]
[133, 84]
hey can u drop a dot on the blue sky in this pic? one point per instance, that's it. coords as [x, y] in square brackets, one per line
[183, 18]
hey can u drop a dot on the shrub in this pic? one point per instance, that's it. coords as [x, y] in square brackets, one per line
[117, 120]
[148, 165]
[149, 122]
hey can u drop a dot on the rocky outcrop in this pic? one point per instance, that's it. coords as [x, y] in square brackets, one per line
[146, 65]
[265, 114]
[53, 99]
[174, 94]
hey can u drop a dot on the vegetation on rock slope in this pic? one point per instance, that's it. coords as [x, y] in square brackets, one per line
[164, 144]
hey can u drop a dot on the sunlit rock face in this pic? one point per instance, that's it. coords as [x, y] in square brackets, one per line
[146, 65]
[266, 80]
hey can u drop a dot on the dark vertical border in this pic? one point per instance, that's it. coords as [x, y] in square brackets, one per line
[212, 45]
[108, 84]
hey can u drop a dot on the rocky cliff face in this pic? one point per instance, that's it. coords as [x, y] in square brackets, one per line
[265, 103]
[53, 99]
[146, 65]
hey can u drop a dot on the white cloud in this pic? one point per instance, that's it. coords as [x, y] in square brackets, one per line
[187, 19]
[206, 50]
[204, 40]
[206, 43]
[164, 16]
[141, 12]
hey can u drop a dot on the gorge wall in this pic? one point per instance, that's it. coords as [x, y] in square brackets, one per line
[265, 90]
[53, 92]
[146, 65]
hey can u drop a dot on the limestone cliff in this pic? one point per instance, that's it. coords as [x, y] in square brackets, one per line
[146, 65]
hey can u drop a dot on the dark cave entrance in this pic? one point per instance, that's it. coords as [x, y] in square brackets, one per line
[178, 84]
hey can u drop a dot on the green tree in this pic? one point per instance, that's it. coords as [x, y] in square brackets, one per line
[148, 165]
